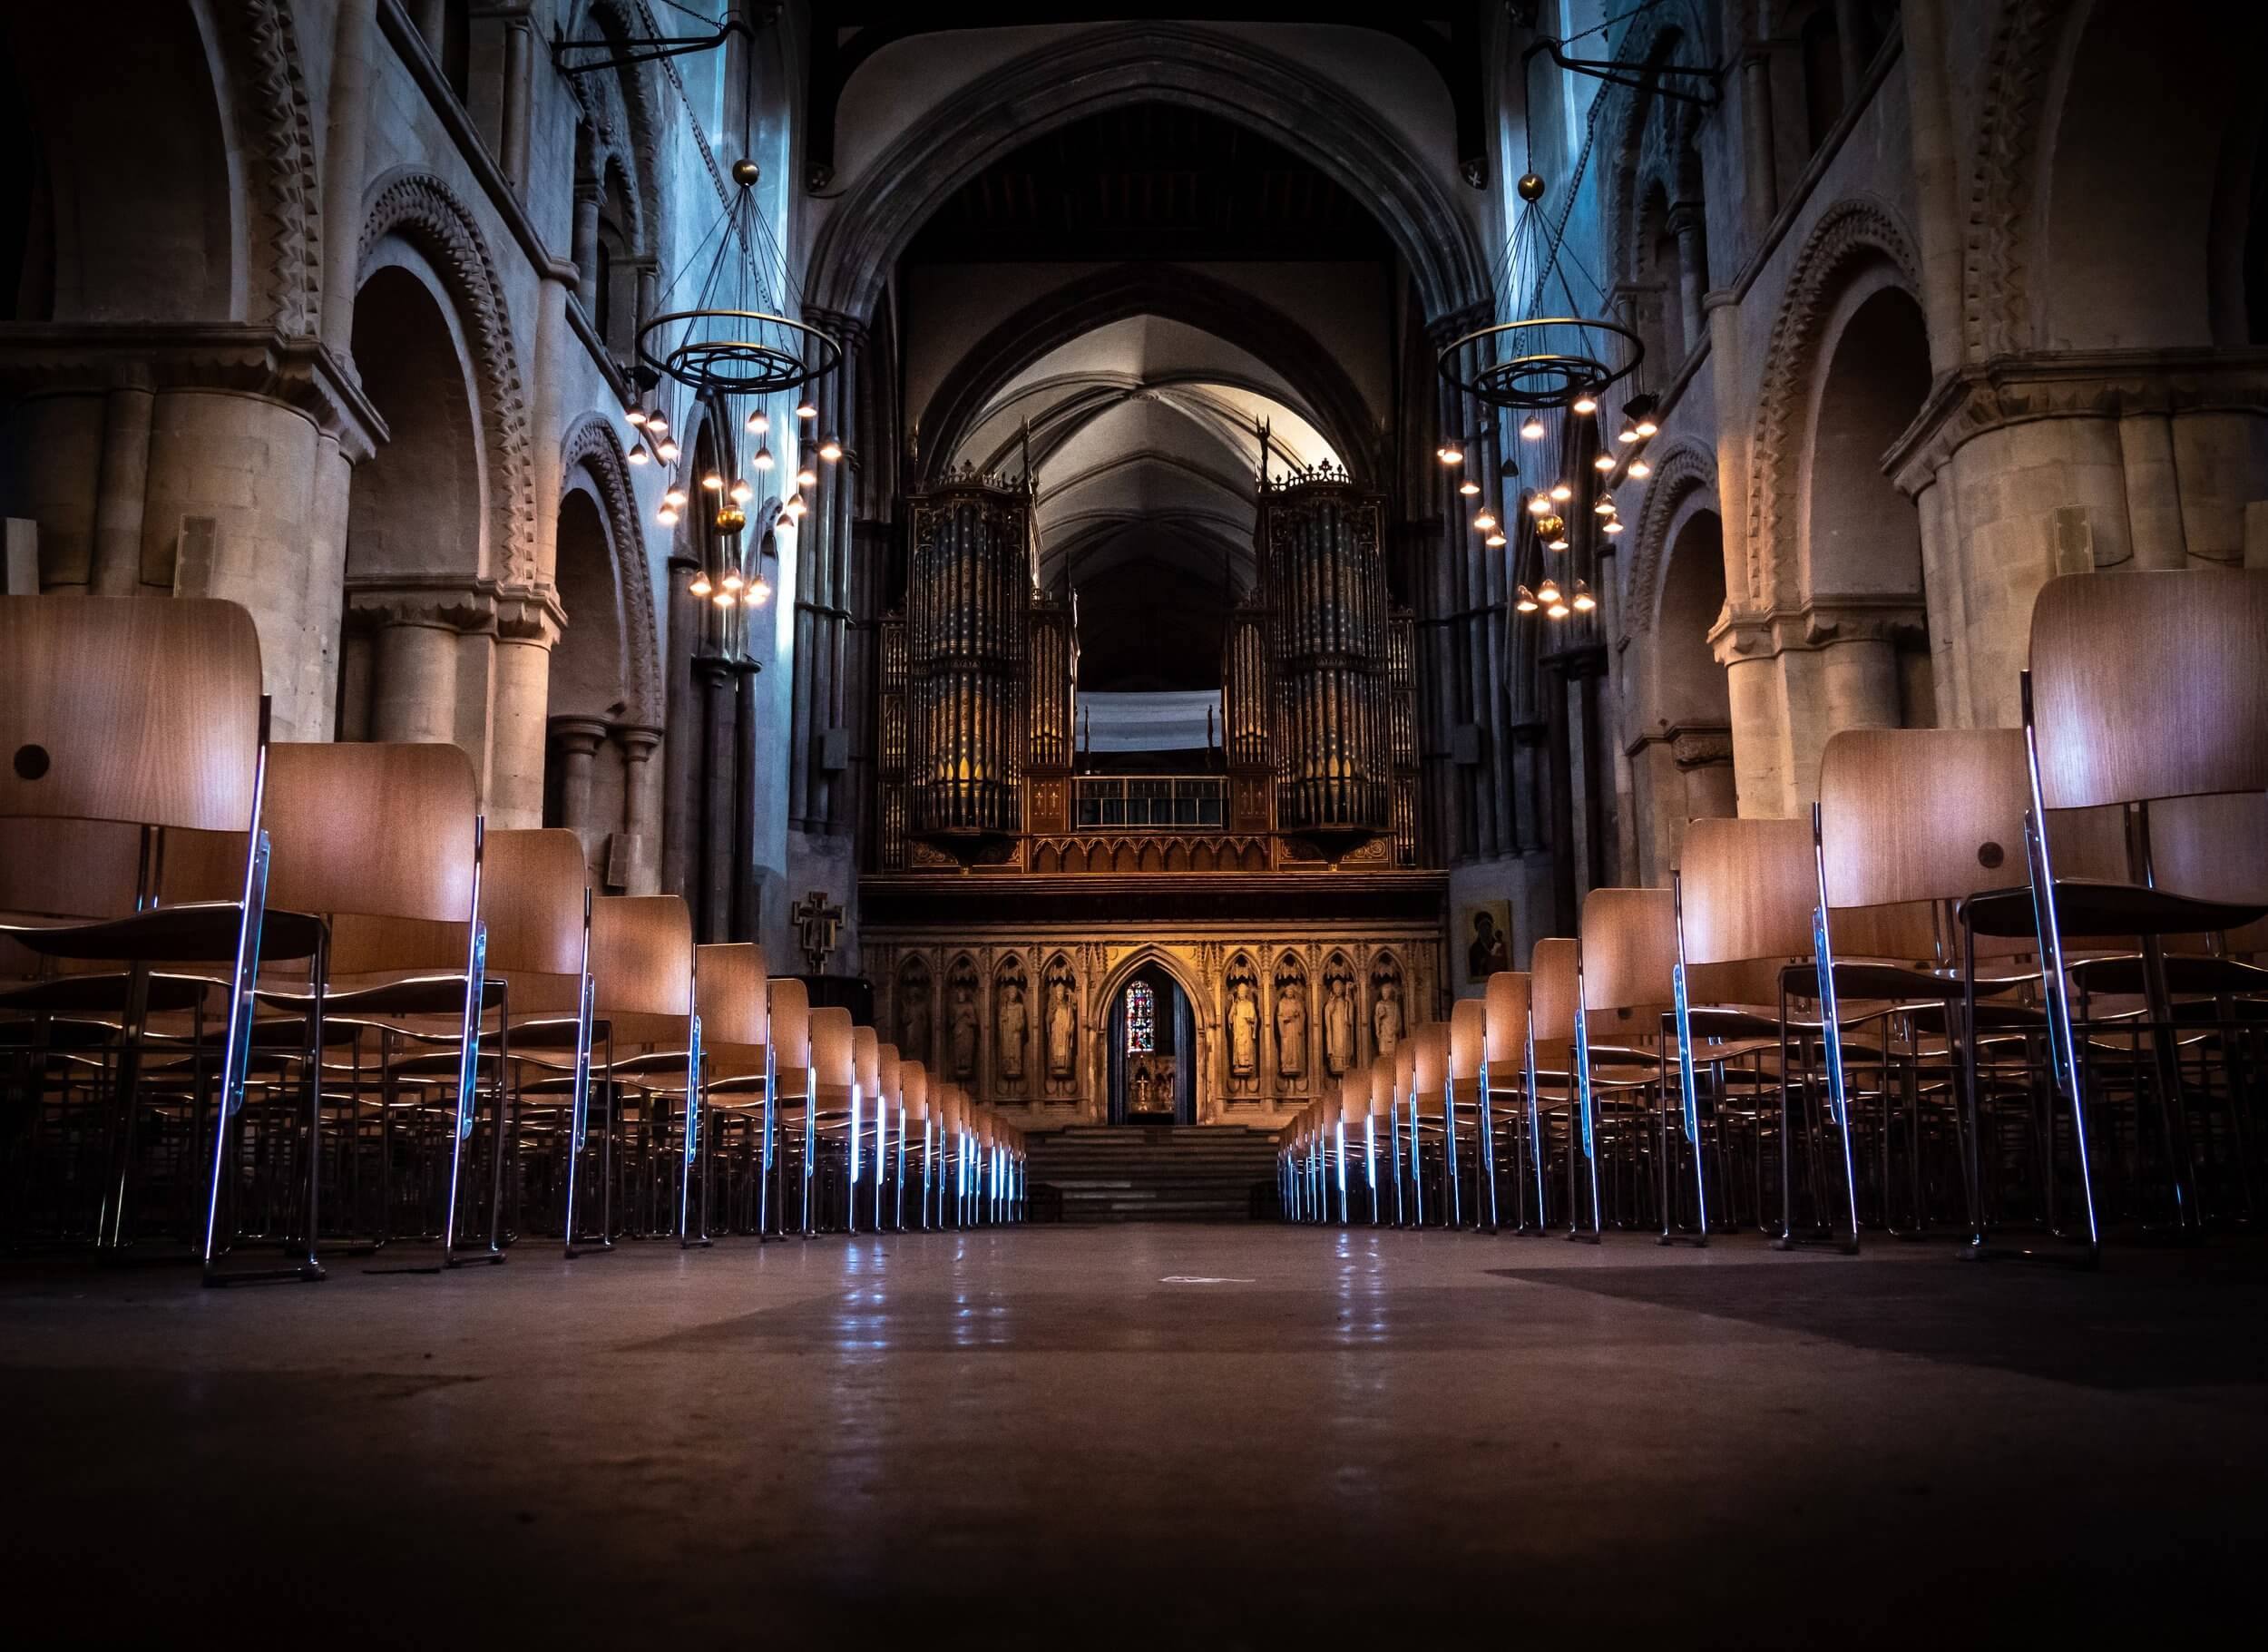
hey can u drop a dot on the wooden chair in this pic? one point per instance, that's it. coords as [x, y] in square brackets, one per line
[1355, 1120]
[1429, 1104]
[889, 1102]
[834, 1079]
[1385, 1117]
[865, 1095]
[1468, 1060]
[788, 1093]
[1405, 1120]
[2142, 688]
[150, 715]
[916, 1112]
[1508, 1068]
[1630, 994]
[1562, 1049]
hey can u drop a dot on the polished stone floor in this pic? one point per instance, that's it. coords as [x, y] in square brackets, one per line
[1144, 1436]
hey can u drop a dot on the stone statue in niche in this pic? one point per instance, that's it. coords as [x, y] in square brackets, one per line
[913, 1018]
[961, 1027]
[1063, 1031]
[1338, 1025]
[1011, 1027]
[1385, 1018]
[1291, 1029]
[1244, 1030]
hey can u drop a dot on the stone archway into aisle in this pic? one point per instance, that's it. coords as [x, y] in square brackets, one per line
[1195, 1057]
[1150, 1040]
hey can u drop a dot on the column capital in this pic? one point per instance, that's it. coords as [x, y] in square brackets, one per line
[637, 743]
[580, 735]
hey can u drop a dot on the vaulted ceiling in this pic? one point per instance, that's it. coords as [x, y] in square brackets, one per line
[1146, 438]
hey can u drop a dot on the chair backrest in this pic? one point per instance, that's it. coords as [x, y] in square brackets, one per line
[834, 1056]
[914, 1088]
[76, 869]
[1748, 888]
[866, 1061]
[641, 966]
[889, 1074]
[376, 830]
[1506, 1009]
[2150, 685]
[730, 975]
[2215, 847]
[790, 1011]
[531, 885]
[1405, 1068]
[1629, 955]
[1921, 814]
[1551, 978]
[1353, 1096]
[1468, 1039]
[1430, 1069]
[125, 709]
[1381, 1082]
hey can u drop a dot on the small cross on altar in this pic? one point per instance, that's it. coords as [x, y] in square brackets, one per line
[817, 920]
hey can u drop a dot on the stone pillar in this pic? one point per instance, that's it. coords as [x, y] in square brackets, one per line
[1687, 223]
[519, 93]
[2154, 498]
[1858, 676]
[574, 745]
[1850, 33]
[712, 906]
[432, 17]
[1937, 179]
[124, 482]
[520, 698]
[413, 680]
[1760, 187]
[585, 243]
[344, 162]
[641, 807]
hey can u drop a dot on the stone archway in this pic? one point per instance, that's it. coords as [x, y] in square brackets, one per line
[1050, 88]
[1080, 308]
[1206, 1096]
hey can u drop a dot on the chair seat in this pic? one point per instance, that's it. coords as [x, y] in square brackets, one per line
[419, 995]
[196, 932]
[1885, 980]
[2185, 972]
[2090, 906]
[103, 994]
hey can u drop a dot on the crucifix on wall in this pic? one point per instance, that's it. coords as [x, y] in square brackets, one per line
[817, 921]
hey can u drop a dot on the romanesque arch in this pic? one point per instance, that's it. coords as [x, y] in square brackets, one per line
[593, 450]
[1166, 63]
[1849, 235]
[420, 210]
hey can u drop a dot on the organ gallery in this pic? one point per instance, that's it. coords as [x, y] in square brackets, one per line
[1082, 824]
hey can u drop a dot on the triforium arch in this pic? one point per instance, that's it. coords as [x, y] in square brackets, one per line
[593, 450]
[1337, 407]
[1204, 1019]
[1159, 63]
[220, 220]
[1851, 235]
[421, 210]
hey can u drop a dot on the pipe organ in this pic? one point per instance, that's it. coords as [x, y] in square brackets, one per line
[1019, 886]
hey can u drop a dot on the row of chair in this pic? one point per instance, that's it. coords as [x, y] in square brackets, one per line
[296, 994]
[1882, 1018]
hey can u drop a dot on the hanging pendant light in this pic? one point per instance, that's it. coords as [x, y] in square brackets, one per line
[1547, 593]
[713, 482]
[1540, 503]
[666, 450]
[1606, 505]
[1533, 428]
[1558, 611]
[733, 582]
[675, 497]
[761, 459]
[806, 410]
[635, 415]
[758, 423]
[1614, 525]
[1450, 453]
[1602, 461]
[1524, 601]
[759, 590]
[700, 587]
[1468, 487]
[1495, 540]
[1562, 492]
[1584, 600]
[830, 449]
[657, 423]
[724, 599]
[740, 492]
[666, 516]
[1585, 404]
[1485, 521]
[1640, 469]
[807, 477]
[637, 455]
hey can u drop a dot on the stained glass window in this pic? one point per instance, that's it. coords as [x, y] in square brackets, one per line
[1142, 1027]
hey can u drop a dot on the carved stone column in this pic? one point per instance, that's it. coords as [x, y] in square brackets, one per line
[585, 243]
[413, 680]
[519, 95]
[124, 482]
[641, 807]
[574, 742]
[1760, 186]
[1688, 224]
[527, 629]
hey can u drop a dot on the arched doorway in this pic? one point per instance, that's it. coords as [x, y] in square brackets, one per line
[1151, 1055]
[1863, 537]
[583, 772]
[414, 541]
